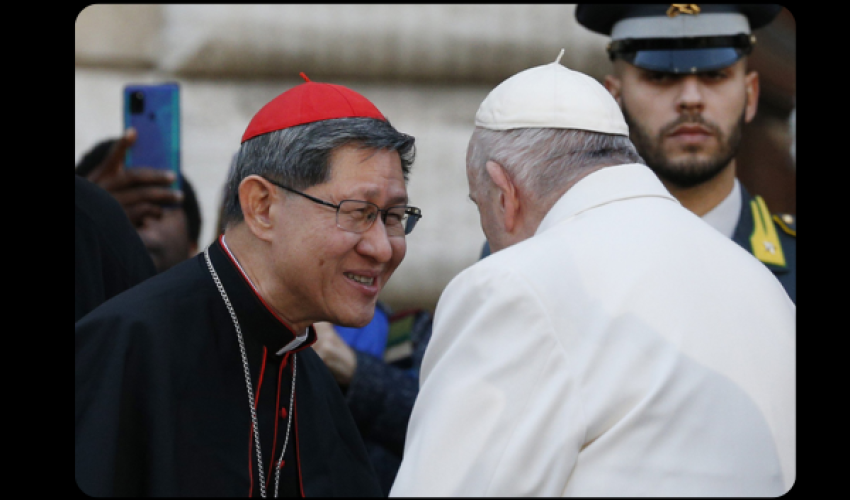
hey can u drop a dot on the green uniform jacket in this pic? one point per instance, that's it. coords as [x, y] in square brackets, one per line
[772, 238]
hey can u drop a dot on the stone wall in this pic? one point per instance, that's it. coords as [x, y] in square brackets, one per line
[427, 67]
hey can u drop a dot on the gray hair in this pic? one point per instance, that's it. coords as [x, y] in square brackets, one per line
[299, 157]
[544, 161]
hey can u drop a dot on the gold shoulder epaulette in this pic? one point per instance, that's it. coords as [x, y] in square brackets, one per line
[787, 222]
[765, 240]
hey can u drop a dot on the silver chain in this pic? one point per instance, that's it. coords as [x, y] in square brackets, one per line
[288, 421]
[250, 387]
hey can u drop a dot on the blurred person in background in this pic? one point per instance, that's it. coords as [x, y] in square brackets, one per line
[142, 192]
[168, 222]
[792, 131]
[377, 369]
[109, 256]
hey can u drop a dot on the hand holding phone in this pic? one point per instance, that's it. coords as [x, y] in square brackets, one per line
[142, 192]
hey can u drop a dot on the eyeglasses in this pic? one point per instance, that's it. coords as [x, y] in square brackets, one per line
[357, 216]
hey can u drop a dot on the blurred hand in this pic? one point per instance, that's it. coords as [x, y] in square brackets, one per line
[337, 355]
[141, 191]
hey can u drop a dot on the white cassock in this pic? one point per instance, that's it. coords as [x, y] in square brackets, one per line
[626, 349]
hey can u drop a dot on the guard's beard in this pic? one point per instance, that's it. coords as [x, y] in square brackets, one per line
[689, 171]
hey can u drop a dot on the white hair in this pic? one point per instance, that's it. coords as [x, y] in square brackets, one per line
[543, 161]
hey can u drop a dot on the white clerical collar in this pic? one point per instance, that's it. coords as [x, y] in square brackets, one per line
[724, 217]
[299, 339]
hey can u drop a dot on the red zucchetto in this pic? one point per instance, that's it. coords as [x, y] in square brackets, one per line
[310, 102]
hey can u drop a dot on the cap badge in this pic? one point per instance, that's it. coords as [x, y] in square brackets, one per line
[683, 8]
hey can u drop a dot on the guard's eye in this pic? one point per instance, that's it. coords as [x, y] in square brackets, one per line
[659, 76]
[715, 75]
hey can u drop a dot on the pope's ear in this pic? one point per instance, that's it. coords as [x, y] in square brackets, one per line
[256, 196]
[509, 195]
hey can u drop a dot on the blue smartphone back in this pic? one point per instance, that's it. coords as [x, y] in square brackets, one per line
[154, 111]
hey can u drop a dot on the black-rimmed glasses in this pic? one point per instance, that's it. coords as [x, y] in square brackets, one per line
[357, 216]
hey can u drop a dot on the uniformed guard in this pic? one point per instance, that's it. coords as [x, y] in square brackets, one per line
[680, 76]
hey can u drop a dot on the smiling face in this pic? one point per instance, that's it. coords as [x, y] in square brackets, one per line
[686, 127]
[326, 273]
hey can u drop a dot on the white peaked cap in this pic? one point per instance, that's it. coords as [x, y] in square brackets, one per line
[551, 96]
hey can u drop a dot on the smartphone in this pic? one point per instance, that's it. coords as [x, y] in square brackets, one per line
[154, 111]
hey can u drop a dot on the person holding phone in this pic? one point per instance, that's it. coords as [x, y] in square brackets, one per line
[202, 381]
[142, 192]
[170, 231]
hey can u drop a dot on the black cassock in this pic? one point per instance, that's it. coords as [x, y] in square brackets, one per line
[161, 404]
[109, 256]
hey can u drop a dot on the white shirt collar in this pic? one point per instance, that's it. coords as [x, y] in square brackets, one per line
[724, 217]
[604, 186]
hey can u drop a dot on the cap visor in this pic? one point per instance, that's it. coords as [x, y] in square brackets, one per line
[685, 60]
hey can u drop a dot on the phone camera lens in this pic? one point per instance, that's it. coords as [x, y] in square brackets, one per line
[137, 102]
